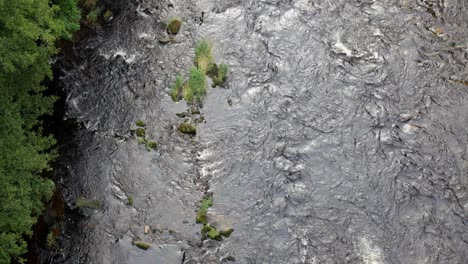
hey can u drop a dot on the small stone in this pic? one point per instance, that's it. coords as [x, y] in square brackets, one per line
[147, 229]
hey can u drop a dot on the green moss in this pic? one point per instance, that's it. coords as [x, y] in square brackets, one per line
[203, 55]
[107, 15]
[177, 88]
[140, 123]
[130, 200]
[196, 86]
[181, 115]
[174, 26]
[227, 232]
[214, 234]
[149, 144]
[142, 245]
[186, 128]
[205, 203]
[140, 132]
[87, 203]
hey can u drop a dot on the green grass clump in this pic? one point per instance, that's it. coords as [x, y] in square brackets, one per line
[203, 210]
[218, 74]
[177, 88]
[140, 123]
[174, 26]
[196, 86]
[142, 245]
[140, 132]
[50, 240]
[87, 203]
[149, 144]
[203, 55]
[130, 200]
[186, 128]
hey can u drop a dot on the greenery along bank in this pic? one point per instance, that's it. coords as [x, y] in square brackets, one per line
[29, 30]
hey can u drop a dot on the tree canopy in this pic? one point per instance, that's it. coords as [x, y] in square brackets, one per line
[29, 30]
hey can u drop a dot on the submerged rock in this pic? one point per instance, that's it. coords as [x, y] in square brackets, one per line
[82, 202]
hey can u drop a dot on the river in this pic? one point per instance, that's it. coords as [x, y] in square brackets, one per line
[339, 137]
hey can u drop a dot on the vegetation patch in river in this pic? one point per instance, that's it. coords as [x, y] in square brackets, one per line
[194, 89]
[186, 128]
[140, 132]
[149, 144]
[173, 26]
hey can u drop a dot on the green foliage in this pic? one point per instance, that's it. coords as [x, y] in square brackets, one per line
[174, 26]
[196, 86]
[130, 200]
[69, 16]
[28, 32]
[177, 87]
[203, 56]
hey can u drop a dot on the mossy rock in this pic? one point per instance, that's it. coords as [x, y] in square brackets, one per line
[142, 245]
[149, 144]
[174, 26]
[82, 202]
[186, 128]
[140, 123]
[107, 15]
[140, 132]
[181, 115]
[130, 200]
[201, 218]
[214, 234]
[226, 232]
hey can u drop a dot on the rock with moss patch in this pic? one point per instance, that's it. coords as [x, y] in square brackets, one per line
[108, 15]
[186, 128]
[174, 26]
[140, 132]
[142, 245]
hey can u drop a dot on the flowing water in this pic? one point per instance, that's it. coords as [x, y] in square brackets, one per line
[340, 136]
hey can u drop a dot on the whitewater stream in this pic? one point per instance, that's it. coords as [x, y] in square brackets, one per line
[340, 135]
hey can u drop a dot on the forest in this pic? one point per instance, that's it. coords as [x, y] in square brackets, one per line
[29, 30]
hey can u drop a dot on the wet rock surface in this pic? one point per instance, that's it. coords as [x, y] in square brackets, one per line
[344, 139]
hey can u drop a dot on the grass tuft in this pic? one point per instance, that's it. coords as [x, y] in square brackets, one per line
[177, 88]
[196, 86]
[203, 55]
